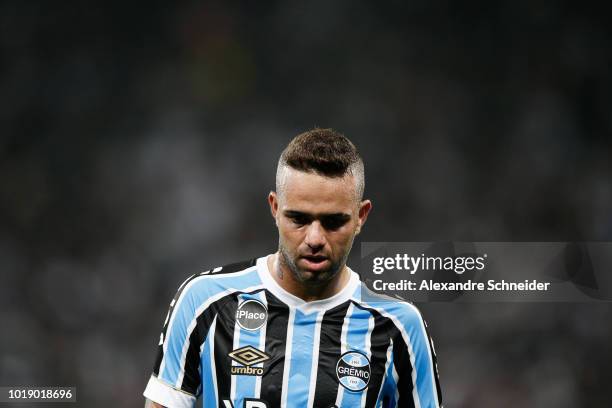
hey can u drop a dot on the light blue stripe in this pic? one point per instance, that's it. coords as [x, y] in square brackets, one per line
[245, 384]
[301, 359]
[356, 341]
[199, 291]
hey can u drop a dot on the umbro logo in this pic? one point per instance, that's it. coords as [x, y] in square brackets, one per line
[248, 356]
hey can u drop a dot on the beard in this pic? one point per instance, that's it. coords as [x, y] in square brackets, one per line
[315, 278]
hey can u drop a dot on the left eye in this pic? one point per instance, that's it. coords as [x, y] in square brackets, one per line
[333, 223]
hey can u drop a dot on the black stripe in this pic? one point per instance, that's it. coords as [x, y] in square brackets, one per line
[329, 354]
[435, 364]
[224, 341]
[276, 342]
[233, 267]
[401, 360]
[192, 377]
[380, 341]
[160, 348]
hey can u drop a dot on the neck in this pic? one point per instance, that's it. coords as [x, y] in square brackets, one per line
[305, 291]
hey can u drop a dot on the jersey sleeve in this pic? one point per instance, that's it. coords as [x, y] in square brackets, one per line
[415, 363]
[175, 381]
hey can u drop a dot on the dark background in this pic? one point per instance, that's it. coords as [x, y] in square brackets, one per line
[139, 141]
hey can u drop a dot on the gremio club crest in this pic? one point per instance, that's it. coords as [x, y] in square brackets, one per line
[353, 371]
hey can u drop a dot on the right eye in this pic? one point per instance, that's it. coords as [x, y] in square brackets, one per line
[299, 220]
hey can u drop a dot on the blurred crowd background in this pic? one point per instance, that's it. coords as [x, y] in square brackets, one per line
[138, 142]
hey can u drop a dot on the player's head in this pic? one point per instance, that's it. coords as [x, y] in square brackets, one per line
[324, 152]
[318, 204]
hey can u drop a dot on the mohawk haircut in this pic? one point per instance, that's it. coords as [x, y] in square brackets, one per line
[325, 152]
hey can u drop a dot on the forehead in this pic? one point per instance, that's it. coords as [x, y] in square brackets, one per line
[316, 194]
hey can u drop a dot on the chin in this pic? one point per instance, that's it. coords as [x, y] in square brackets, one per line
[316, 277]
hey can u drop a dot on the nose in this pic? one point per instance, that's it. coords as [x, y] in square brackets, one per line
[315, 236]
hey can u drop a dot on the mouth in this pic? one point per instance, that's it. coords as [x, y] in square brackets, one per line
[315, 262]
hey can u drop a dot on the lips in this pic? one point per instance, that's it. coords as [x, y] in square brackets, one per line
[314, 262]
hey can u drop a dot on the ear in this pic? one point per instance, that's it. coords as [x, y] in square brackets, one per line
[364, 209]
[273, 201]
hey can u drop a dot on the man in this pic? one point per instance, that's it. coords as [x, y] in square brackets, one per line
[297, 328]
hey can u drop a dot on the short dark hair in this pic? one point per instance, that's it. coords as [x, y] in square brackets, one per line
[325, 152]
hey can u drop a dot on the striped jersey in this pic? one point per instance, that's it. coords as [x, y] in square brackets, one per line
[236, 338]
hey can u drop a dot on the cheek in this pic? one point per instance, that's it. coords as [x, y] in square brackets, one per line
[342, 239]
[289, 234]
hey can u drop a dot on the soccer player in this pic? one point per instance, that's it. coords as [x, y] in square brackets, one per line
[297, 328]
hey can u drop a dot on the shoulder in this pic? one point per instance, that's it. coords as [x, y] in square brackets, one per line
[235, 267]
[404, 315]
[218, 281]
